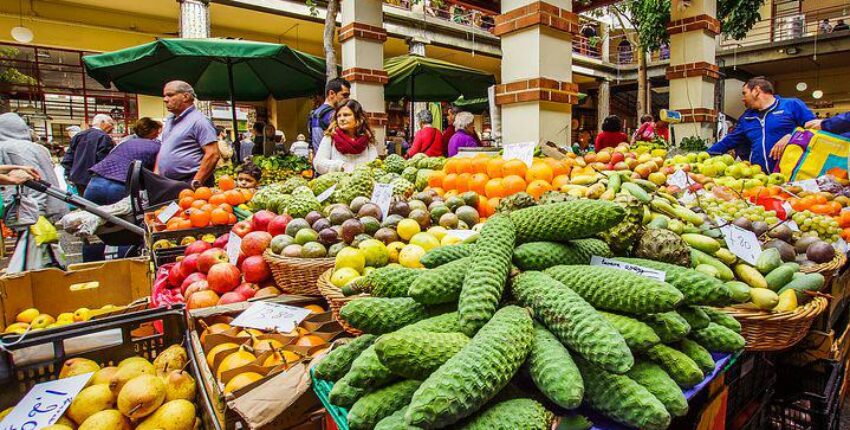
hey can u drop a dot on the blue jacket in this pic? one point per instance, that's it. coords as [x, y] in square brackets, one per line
[760, 130]
[87, 148]
[839, 124]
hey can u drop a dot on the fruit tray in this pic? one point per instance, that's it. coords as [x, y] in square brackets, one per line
[38, 357]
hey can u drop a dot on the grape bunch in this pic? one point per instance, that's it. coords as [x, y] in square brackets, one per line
[734, 209]
[810, 223]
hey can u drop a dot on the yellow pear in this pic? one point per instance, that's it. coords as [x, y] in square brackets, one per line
[133, 359]
[109, 419]
[27, 315]
[65, 421]
[173, 358]
[236, 359]
[16, 328]
[89, 402]
[57, 427]
[241, 380]
[65, 317]
[128, 370]
[141, 396]
[179, 385]
[174, 415]
[82, 314]
[103, 376]
[77, 366]
[219, 348]
[42, 321]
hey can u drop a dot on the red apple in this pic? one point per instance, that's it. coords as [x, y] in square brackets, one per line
[221, 241]
[241, 228]
[197, 247]
[278, 225]
[247, 289]
[202, 299]
[617, 157]
[175, 275]
[223, 277]
[255, 269]
[192, 278]
[211, 257]
[231, 297]
[260, 220]
[255, 243]
[189, 265]
[196, 286]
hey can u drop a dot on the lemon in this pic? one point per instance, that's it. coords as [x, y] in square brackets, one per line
[341, 277]
[438, 232]
[394, 248]
[375, 252]
[426, 240]
[407, 228]
[351, 258]
[410, 255]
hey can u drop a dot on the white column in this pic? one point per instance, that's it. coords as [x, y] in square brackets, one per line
[194, 19]
[416, 47]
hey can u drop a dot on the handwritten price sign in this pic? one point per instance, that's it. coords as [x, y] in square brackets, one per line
[271, 316]
[234, 247]
[326, 194]
[638, 270]
[678, 179]
[742, 243]
[382, 194]
[521, 151]
[45, 403]
[168, 213]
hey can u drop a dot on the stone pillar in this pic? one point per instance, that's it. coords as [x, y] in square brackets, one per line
[362, 37]
[537, 92]
[605, 41]
[692, 72]
[603, 102]
[194, 19]
[416, 47]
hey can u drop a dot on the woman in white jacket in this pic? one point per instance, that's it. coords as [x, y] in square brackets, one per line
[349, 141]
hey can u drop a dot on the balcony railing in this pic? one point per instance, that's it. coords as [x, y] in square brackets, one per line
[794, 26]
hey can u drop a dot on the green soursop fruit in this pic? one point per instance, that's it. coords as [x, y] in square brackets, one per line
[696, 352]
[417, 355]
[516, 414]
[395, 421]
[446, 254]
[394, 163]
[292, 183]
[344, 395]
[487, 273]
[695, 316]
[337, 363]
[379, 404]
[723, 319]
[379, 315]
[679, 366]
[617, 290]
[402, 187]
[440, 285]
[543, 255]
[487, 363]
[661, 385]
[663, 245]
[387, 281]
[639, 336]
[433, 163]
[553, 371]
[698, 288]
[623, 236]
[560, 222]
[574, 321]
[622, 398]
[358, 183]
[551, 197]
[323, 182]
[669, 326]
[409, 173]
[303, 202]
[515, 202]
[421, 181]
[717, 338]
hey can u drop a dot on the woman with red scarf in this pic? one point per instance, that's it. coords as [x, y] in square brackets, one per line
[348, 142]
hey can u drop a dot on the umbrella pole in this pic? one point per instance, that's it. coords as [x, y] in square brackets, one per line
[236, 142]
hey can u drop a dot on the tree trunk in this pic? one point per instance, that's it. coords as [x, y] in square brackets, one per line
[328, 38]
[642, 80]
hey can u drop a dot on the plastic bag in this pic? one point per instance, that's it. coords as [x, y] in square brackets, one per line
[44, 232]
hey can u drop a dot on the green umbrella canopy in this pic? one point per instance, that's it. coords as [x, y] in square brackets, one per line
[428, 79]
[258, 69]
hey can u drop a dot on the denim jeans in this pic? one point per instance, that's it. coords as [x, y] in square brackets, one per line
[103, 191]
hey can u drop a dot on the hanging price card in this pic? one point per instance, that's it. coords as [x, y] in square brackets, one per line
[523, 151]
[326, 194]
[168, 212]
[45, 403]
[234, 247]
[808, 185]
[742, 243]
[382, 194]
[271, 316]
[638, 270]
[678, 179]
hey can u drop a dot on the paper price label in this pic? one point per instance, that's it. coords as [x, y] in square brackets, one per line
[271, 316]
[678, 179]
[523, 151]
[234, 247]
[688, 197]
[638, 270]
[382, 194]
[808, 185]
[743, 243]
[793, 225]
[168, 213]
[787, 208]
[461, 234]
[326, 194]
[841, 245]
[45, 403]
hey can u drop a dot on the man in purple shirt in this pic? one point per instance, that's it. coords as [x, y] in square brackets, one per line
[189, 150]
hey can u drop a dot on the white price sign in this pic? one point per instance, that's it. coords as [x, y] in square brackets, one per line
[678, 179]
[326, 194]
[841, 245]
[808, 185]
[523, 151]
[382, 194]
[688, 197]
[787, 208]
[638, 270]
[168, 213]
[461, 234]
[793, 225]
[743, 243]
[271, 316]
[234, 247]
[45, 403]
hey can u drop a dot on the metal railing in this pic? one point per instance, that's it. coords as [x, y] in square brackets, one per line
[794, 26]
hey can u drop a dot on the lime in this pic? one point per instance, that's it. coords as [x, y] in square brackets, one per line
[375, 252]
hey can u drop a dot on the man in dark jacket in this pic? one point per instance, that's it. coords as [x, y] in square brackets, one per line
[88, 148]
[839, 124]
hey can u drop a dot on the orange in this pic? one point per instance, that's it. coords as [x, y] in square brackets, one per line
[208, 207]
[226, 183]
[537, 187]
[247, 194]
[186, 193]
[478, 182]
[226, 207]
[217, 199]
[484, 208]
[310, 340]
[494, 167]
[494, 188]
[463, 182]
[479, 164]
[234, 198]
[199, 218]
[493, 203]
[450, 166]
[197, 204]
[450, 182]
[513, 184]
[539, 171]
[435, 179]
[172, 224]
[231, 219]
[559, 181]
[316, 309]
[203, 193]
[514, 167]
[464, 165]
[559, 167]
[219, 216]
[184, 224]
[186, 202]
[438, 190]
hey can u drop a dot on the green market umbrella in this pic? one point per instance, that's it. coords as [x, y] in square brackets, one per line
[428, 79]
[477, 105]
[218, 69]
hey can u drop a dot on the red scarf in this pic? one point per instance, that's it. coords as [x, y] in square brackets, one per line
[348, 145]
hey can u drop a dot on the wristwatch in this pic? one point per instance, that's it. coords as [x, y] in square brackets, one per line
[195, 184]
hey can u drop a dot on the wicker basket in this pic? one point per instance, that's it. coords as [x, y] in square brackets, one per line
[828, 269]
[766, 331]
[337, 300]
[297, 275]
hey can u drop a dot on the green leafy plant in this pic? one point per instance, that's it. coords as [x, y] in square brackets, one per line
[693, 143]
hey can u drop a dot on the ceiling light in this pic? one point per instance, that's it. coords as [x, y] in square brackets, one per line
[817, 94]
[802, 86]
[22, 34]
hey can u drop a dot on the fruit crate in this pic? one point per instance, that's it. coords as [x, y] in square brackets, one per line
[197, 233]
[754, 417]
[322, 389]
[807, 398]
[747, 379]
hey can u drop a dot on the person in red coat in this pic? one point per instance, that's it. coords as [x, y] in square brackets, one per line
[611, 134]
[428, 139]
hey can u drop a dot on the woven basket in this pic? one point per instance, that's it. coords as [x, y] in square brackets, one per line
[297, 275]
[828, 269]
[766, 331]
[337, 300]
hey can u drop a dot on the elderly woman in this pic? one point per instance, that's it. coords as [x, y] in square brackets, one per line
[465, 136]
[348, 142]
[428, 139]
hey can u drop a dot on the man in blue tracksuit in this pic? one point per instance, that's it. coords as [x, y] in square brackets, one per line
[767, 120]
[839, 124]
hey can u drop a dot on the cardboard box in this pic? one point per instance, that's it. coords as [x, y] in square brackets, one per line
[86, 285]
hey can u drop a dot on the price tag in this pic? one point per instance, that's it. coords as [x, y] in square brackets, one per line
[841, 245]
[793, 225]
[45, 403]
[678, 179]
[168, 213]
[523, 151]
[808, 185]
[234, 247]
[326, 194]
[271, 316]
[743, 243]
[688, 197]
[382, 194]
[638, 270]
[462, 234]
[787, 208]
